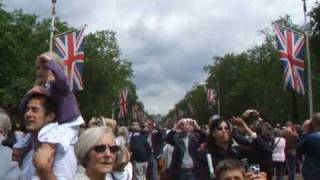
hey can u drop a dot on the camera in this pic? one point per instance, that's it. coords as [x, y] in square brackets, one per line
[254, 168]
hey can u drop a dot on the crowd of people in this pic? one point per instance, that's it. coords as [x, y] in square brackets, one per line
[57, 144]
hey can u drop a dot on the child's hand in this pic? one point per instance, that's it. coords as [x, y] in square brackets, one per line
[44, 58]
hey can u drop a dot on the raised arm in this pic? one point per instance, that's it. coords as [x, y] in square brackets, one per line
[60, 82]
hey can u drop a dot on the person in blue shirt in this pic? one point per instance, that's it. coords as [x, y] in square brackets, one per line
[309, 146]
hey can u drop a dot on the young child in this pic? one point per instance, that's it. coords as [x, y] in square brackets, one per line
[50, 77]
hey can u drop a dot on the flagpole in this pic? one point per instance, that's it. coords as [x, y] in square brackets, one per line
[53, 13]
[71, 30]
[306, 32]
[218, 99]
[112, 115]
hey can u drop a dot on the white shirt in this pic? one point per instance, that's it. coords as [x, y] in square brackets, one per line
[187, 161]
[64, 166]
[64, 136]
[278, 154]
[121, 141]
[126, 174]
[167, 155]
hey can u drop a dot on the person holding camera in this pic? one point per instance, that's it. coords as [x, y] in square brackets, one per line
[310, 147]
[221, 145]
[264, 131]
[186, 138]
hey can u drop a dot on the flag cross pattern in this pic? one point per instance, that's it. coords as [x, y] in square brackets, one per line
[123, 104]
[135, 110]
[70, 49]
[211, 96]
[291, 52]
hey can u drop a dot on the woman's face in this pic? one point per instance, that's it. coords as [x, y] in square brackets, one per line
[222, 133]
[42, 73]
[101, 159]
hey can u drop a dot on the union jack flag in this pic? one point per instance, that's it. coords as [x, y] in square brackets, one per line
[211, 96]
[141, 116]
[135, 110]
[70, 49]
[291, 52]
[123, 103]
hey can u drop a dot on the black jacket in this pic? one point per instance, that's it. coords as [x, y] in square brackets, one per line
[139, 148]
[176, 140]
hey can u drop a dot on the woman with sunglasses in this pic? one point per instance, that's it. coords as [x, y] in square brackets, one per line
[98, 153]
[220, 144]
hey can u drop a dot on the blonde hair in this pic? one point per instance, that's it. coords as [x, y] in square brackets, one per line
[110, 123]
[54, 57]
[123, 131]
[122, 158]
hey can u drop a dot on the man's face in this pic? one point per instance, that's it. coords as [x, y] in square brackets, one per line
[186, 127]
[35, 115]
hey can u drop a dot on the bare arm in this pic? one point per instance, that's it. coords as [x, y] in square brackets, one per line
[43, 159]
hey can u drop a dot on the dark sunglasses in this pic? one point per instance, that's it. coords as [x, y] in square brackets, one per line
[102, 148]
[223, 128]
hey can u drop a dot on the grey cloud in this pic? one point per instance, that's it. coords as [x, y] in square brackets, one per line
[169, 42]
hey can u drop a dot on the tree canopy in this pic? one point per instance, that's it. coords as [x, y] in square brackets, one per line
[253, 79]
[24, 36]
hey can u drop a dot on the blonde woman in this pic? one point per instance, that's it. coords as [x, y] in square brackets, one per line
[99, 154]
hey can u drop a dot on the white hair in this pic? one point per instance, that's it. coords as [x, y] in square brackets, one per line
[87, 140]
[5, 122]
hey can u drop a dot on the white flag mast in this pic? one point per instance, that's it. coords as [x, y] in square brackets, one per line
[53, 14]
[306, 32]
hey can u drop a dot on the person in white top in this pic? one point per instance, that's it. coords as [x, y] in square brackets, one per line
[278, 155]
[58, 135]
[43, 160]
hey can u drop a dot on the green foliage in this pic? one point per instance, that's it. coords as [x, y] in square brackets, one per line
[249, 80]
[315, 54]
[23, 37]
[105, 75]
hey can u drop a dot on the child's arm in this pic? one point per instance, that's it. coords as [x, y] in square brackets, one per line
[60, 81]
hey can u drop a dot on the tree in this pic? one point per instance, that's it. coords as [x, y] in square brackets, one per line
[249, 80]
[23, 37]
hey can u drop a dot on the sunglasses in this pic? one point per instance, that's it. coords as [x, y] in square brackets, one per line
[102, 148]
[223, 128]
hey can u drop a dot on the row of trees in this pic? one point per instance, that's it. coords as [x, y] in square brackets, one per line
[24, 36]
[253, 80]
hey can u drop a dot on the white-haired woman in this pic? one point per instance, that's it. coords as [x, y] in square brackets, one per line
[97, 151]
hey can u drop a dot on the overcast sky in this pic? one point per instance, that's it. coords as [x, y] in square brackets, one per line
[170, 41]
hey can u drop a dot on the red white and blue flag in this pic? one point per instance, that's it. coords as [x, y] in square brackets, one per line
[70, 49]
[291, 52]
[123, 103]
[211, 96]
[135, 110]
